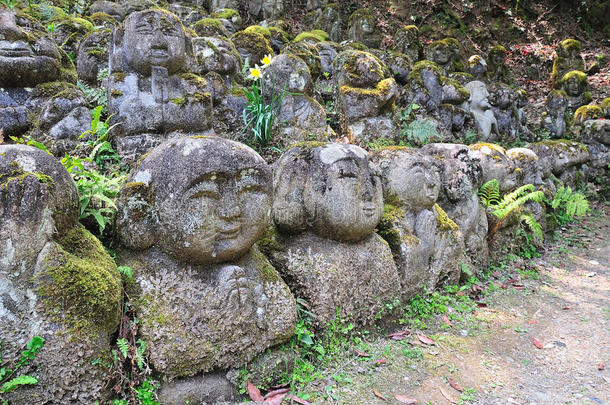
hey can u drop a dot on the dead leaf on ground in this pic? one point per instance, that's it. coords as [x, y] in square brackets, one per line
[447, 321]
[425, 339]
[361, 354]
[447, 396]
[566, 307]
[379, 362]
[455, 385]
[533, 322]
[378, 395]
[276, 399]
[275, 393]
[253, 392]
[601, 366]
[404, 399]
[537, 343]
[298, 400]
[1, 136]
[400, 335]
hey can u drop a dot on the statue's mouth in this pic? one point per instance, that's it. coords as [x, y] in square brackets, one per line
[14, 49]
[369, 210]
[159, 53]
[229, 231]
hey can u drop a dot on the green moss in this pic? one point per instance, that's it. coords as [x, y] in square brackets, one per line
[588, 112]
[259, 30]
[492, 146]
[606, 102]
[411, 28]
[81, 285]
[315, 35]
[498, 49]
[116, 93]
[569, 45]
[98, 52]
[269, 242]
[359, 46]
[279, 34]
[56, 89]
[225, 13]
[580, 76]
[254, 42]
[461, 89]
[420, 66]
[268, 273]
[361, 14]
[97, 18]
[118, 77]
[380, 91]
[444, 222]
[564, 144]
[44, 12]
[210, 26]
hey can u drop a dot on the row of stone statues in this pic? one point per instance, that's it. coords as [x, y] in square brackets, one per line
[220, 244]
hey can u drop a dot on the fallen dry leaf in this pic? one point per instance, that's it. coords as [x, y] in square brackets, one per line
[404, 400]
[379, 362]
[447, 396]
[298, 400]
[566, 308]
[361, 354]
[275, 393]
[601, 366]
[253, 392]
[1, 136]
[425, 339]
[537, 343]
[400, 335]
[378, 395]
[447, 321]
[275, 399]
[533, 322]
[455, 385]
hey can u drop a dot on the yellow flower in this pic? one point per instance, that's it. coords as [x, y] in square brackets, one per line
[255, 73]
[266, 60]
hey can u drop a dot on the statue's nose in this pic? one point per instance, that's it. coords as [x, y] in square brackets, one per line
[9, 30]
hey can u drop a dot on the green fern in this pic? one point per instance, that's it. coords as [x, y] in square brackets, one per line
[123, 346]
[511, 202]
[490, 193]
[531, 223]
[569, 204]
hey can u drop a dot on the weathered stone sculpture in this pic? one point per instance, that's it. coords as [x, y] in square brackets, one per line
[568, 59]
[207, 299]
[150, 92]
[479, 107]
[606, 107]
[495, 164]
[564, 159]
[477, 67]
[528, 167]
[406, 41]
[34, 93]
[327, 202]
[426, 244]
[576, 86]
[217, 54]
[92, 56]
[252, 45]
[446, 54]
[503, 100]
[110, 8]
[362, 28]
[56, 281]
[366, 97]
[327, 19]
[300, 117]
[497, 70]
[595, 134]
[461, 178]
[554, 118]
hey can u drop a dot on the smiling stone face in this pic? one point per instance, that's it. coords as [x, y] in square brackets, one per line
[209, 215]
[154, 38]
[214, 54]
[27, 56]
[331, 189]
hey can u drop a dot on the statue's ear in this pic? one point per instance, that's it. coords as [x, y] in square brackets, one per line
[137, 218]
[116, 44]
[288, 199]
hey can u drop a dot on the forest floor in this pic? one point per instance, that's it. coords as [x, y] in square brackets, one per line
[539, 334]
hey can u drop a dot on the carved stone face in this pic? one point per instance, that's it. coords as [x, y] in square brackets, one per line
[496, 165]
[216, 55]
[441, 55]
[573, 87]
[479, 96]
[27, 56]
[498, 58]
[530, 168]
[212, 198]
[288, 72]
[154, 38]
[351, 200]
[414, 179]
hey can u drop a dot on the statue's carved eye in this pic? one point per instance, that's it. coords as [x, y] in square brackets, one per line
[347, 173]
[204, 189]
[144, 29]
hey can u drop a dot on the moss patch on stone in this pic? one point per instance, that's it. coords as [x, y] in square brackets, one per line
[444, 222]
[588, 112]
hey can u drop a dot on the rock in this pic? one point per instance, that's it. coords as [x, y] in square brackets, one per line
[529, 169]
[426, 244]
[203, 389]
[56, 280]
[503, 100]
[150, 91]
[115, 10]
[206, 298]
[567, 160]
[252, 45]
[327, 19]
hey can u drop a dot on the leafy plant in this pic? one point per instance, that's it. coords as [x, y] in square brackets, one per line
[93, 95]
[10, 383]
[102, 152]
[490, 193]
[567, 204]
[416, 131]
[10, 4]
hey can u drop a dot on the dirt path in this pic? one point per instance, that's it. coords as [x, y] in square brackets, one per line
[491, 354]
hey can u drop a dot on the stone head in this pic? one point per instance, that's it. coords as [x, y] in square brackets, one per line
[529, 167]
[289, 72]
[557, 103]
[409, 176]
[151, 38]
[330, 189]
[497, 55]
[215, 54]
[92, 55]
[440, 53]
[113, 9]
[27, 55]
[37, 200]
[574, 83]
[362, 69]
[606, 107]
[199, 199]
[461, 174]
[569, 49]
[477, 67]
[479, 96]
[496, 165]
[502, 96]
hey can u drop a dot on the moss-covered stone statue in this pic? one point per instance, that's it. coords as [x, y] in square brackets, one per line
[497, 71]
[92, 56]
[366, 95]
[564, 159]
[481, 111]
[205, 297]
[495, 164]
[503, 99]
[151, 93]
[253, 45]
[554, 117]
[406, 41]
[595, 134]
[37, 86]
[327, 19]
[567, 59]
[446, 54]
[327, 202]
[57, 282]
[477, 67]
[528, 166]
[461, 177]
[427, 245]
[576, 87]
[361, 27]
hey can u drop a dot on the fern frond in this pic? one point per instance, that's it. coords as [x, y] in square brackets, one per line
[511, 197]
[123, 346]
[489, 193]
[534, 225]
[577, 205]
[505, 208]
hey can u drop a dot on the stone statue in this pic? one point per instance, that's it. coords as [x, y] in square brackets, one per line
[567, 59]
[529, 169]
[478, 104]
[327, 202]
[327, 19]
[37, 91]
[426, 244]
[477, 67]
[576, 86]
[189, 216]
[217, 54]
[366, 95]
[503, 99]
[495, 164]
[461, 177]
[56, 281]
[150, 91]
[92, 56]
[361, 27]
[406, 41]
[563, 159]
[497, 70]
[555, 109]
[446, 54]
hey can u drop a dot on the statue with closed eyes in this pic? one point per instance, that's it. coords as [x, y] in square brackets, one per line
[206, 298]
